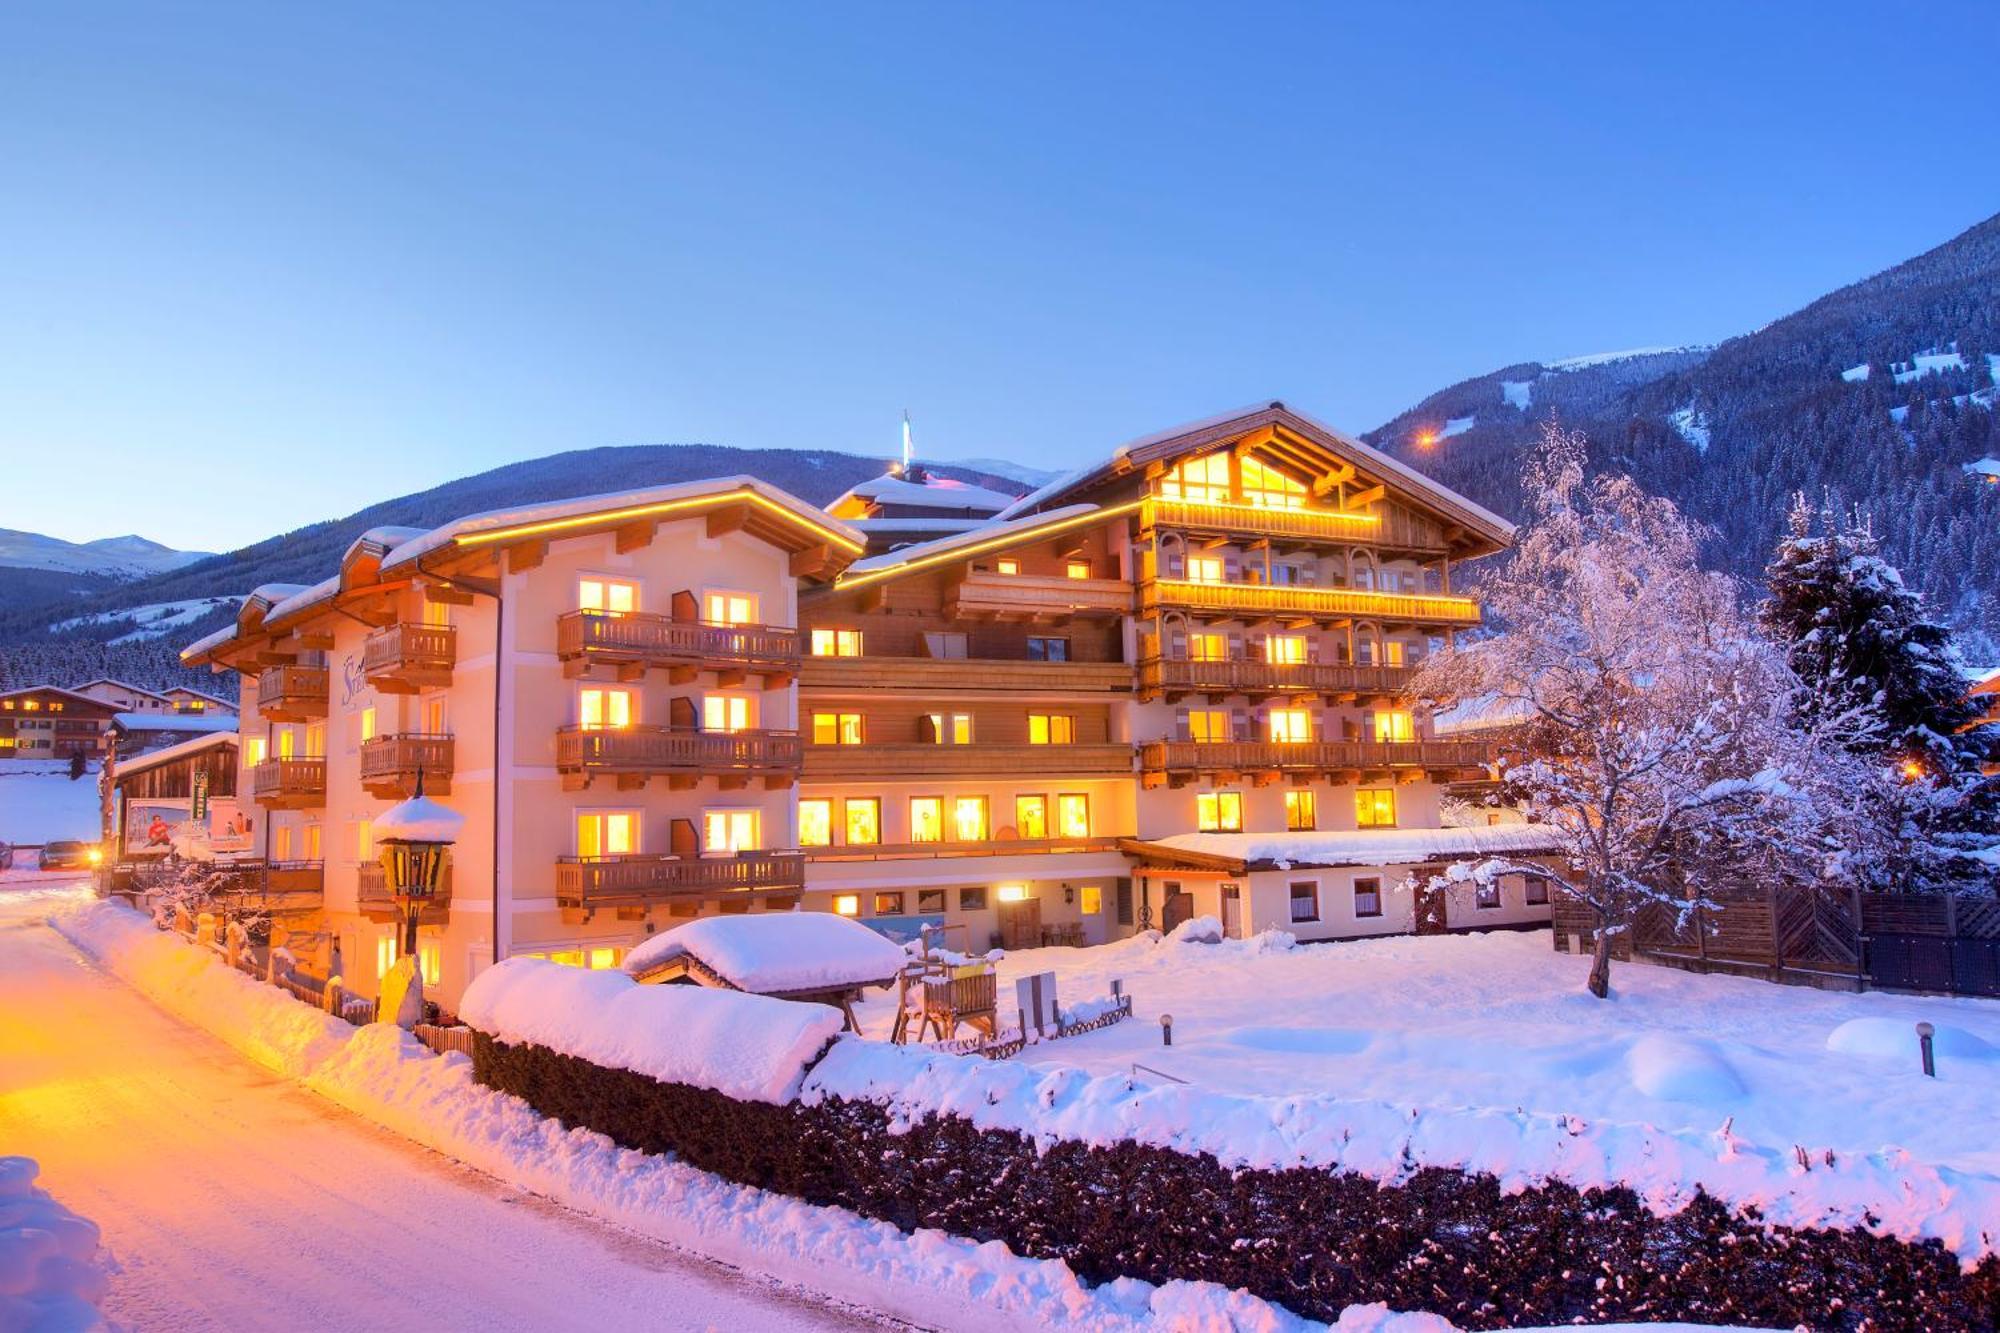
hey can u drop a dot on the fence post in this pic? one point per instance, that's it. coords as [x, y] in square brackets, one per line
[330, 997]
[1860, 943]
[1777, 945]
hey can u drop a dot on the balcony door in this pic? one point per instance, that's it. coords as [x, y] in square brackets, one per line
[599, 708]
[610, 597]
[729, 832]
[607, 833]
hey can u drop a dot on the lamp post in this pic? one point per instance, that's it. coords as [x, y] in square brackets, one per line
[413, 836]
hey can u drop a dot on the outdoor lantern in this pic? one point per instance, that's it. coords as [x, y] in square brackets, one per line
[412, 836]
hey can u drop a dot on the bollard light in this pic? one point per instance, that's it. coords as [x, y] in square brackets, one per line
[1924, 1034]
[1166, 1029]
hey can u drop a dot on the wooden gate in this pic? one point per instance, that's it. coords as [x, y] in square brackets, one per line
[1178, 908]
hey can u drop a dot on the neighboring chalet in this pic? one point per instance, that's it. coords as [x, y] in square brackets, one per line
[46, 722]
[127, 697]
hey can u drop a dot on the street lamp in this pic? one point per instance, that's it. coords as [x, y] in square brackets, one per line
[413, 836]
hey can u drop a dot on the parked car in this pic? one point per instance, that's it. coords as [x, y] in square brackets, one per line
[70, 855]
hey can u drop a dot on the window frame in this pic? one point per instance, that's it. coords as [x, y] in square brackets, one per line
[1292, 888]
[1357, 891]
[848, 807]
[938, 802]
[824, 804]
[1220, 802]
[1368, 816]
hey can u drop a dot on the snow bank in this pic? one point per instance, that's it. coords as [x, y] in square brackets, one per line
[49, 1278]
[774, 952]
[750, 1047]
[929, 1278]
[1893, 1039]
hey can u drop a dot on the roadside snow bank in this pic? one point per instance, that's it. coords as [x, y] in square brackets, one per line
[49, 1278]
[750, 1047]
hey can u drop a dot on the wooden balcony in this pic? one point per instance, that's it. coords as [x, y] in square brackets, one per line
[1332, 526]
[682, 755]
[1160, 760]
[918, 851]
[292, 693]
[684, 648]
[1172, 679]
[986, 595]
[929, 675]
[588, 884]
[403, 659]
[1267, 601]
[373, 900]
[390, 764]
[276, 888]
[921, 763]
[289, 784]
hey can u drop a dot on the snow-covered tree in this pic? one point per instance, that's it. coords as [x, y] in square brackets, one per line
[1637, 709]
[176, 884]
[1854, 633]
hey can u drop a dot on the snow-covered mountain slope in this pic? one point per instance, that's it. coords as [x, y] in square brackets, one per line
[127, 557]
[1033, 478]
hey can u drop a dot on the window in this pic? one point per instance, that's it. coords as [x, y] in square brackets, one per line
[1073, 815]
[253, 750]
[1206, 646]
[1267, 488]
[1535, 891]
[615, 597]
[945, 644]
[729, 831]
[1077, 569]
[1014, 893]
[1204, 569]
[1486, 895]
[1305, 900]
[1044, 649]
[847, 904]
[281, 843]
[888, 904]
[385, 955]
[1290, 724]
[816, 822]
[1394, 725]
[1205, 479]
[1051, 729]
[436, 614]
[1007, 566]
[926, 819]
[837, 729]
[312, 842]
[430, 960]
[864, 820]
[1219, 811]
[1301, 810]
[1392, 652]
[1375, 808]
[1031, 816]
[364, 839]
[930, 901]
[727, 712]
[434, 716]
[315, 740]
[600, 706]
[368, 724]
[1208, 725]
[972, 900]
[1368, 897]
[968, 818]
[607, 832]
[1090, 899]
[836, 643]
[951, 728]
[1285, 649]
[729, 608]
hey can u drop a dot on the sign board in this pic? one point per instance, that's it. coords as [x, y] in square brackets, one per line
[1036, 997]
[230, 830]
[150, 826]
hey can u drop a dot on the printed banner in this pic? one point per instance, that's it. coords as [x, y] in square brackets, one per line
[151, 826]
[230, 830]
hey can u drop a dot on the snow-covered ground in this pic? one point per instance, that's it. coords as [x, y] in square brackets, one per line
[39, 803]
[150, 621]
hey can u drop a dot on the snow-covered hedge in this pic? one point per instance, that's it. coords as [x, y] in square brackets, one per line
[49, 1278]
[746, 1046]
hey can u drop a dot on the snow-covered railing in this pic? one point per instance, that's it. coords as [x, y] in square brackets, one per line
[1088, 1017]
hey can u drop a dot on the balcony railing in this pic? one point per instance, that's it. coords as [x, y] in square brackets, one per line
[403, 659]
[374, 901]
[596, 882]
[1264, 600]
[947, 675]
[289, 784]
[292, 693]
[1316, 756]
[919, 762]
[1325, 525]
[912, 851]
[1168, 676]
[390, 764]
[985, 594]
[675, 750]
[646, 640]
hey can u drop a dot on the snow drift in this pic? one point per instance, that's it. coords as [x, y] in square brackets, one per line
[49, 1278]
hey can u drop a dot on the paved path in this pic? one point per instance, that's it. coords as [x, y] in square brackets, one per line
[233, 1199]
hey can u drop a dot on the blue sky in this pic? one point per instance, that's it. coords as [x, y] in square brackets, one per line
[264, 265]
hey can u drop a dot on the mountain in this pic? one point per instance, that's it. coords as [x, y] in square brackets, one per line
[1033, 478]
[1877, 396]
[59, 627]
[127, 557]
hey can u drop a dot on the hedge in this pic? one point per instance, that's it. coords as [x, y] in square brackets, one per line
[1311, 1239]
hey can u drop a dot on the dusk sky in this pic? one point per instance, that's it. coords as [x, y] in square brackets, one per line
[261, 267]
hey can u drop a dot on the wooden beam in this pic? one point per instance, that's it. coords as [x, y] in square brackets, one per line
[811, 561]
[729, 518]
[636, 536]
[446, 595]
[1331, 481]
[525, 556]
[1361, 499]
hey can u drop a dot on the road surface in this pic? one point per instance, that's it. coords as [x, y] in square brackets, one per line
[232, 1199]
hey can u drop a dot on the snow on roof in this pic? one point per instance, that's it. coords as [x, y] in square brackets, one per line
[121, 684]
[772, 953]
[871, 526]
[1367, 847]
[418, 819]
[200, 694]
[168, 753]
[388, 537]
[751, 1047]
[934, 492]
[208, 643]
[323, 591]
[54, 689]
[972, 537]
[272, 593]
[1480, 713]
[173, 722]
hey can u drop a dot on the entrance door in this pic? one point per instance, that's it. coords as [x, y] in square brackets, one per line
[1232, 911]
[1178, 907]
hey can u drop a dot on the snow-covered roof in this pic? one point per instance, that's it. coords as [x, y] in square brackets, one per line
[305, 598]
[933, 492]
[1985, 467]
[1481, 713]
[773, 953]
[121, 684]
[201, 694]
[166, 754]
[385, 538]
[1362, 847]
[873, 526]
[1023, 528]
[54, 689]
[173, 722]
[418, 819]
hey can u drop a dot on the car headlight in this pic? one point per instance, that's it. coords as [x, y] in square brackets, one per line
[95, 855]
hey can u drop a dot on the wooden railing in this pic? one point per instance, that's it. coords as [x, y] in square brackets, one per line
[1328, 525]
[1253, 756]
[1270, 599]
[292, 693]
[656, 640]
[373, 899]
[675, 750]
[389, 764]
[289, 783]
[950, 674]
[1161, 675]
[919, 762]
[638, 880]
[1036, 596]
[912, 851]
[402, 659]
[295, 877]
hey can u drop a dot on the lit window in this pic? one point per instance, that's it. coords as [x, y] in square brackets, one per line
[603, 959]
[888, 904]
[968, 818]
[606, 833]
[385, 955]
[1285, 649]
[1051, 729]
[951, 728]
[1305, 900]
[364, 840]
[434, 719]
[1267, 488]
[312, 842]
[1077, 569]
[315, 740]
[1007, 566]
[253, 750]
[288, 743]
[1208, 647]
[1301, 810]
[368, 724]
[836, 643]
[1013, 893]
[1031, 816]
[1073, 815]
[436, 614]
[1205, 479]
[599, 707]
[430, 961]
[729, 831]
[726, 712]
[1290, 725]
[1392, 652]
[815, 822]
[864, 821]
[847, 904]
[1375, 808]
[1208, 726]
[729, 608]
[1219, 811]
[281, 843]
[926, 819]
[616, 597]
[1368, 897]
[1204, 568]
[1392, 725]
[837, 728]
[1090, 900]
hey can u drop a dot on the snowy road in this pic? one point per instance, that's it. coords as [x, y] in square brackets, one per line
[234, 1199]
